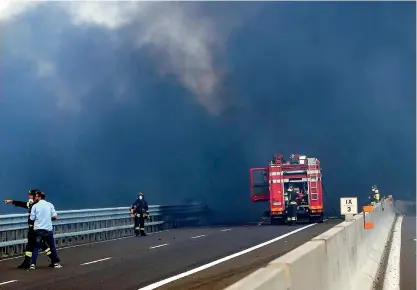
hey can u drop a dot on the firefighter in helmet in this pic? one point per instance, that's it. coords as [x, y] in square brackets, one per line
[291, 206]
[374, 197]
[140, 211]
[371, 196]
[31, 236]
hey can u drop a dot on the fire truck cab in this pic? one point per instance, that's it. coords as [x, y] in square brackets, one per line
[302, 175]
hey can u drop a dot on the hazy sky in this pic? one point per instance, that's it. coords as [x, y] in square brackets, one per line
[101, 100]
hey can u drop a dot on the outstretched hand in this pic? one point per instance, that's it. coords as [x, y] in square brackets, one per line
[7, 201]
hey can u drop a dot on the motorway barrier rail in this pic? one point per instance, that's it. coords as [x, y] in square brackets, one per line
[74, 227]
[346, 257]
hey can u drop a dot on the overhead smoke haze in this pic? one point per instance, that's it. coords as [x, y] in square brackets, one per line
[181, 42]
[100, 100]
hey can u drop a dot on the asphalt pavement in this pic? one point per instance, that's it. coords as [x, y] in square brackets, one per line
[136, 263]
[408, 254]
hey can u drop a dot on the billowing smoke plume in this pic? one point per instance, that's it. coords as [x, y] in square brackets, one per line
[102, 99]
[182, 42]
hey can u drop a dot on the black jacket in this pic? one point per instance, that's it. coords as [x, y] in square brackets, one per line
[25, 204]
[140, 206]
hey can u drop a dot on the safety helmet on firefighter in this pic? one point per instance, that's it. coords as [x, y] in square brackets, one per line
[33, 191]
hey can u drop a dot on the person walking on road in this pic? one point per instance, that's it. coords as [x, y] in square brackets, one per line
[31, 243]
[42, 214]
[140, 211]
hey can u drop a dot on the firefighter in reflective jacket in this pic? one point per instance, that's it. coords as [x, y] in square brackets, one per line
[140, 211]
[292, 208]
[374, 197]
[31, 237]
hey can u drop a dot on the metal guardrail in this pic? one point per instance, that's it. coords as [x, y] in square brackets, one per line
[74, 227]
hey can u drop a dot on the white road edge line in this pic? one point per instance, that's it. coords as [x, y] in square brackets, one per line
[196, 237]
[87, 244]
[96, 261]
[225, 230]
[392, 273]
[211, 264]
[8, 282]
[154, 247]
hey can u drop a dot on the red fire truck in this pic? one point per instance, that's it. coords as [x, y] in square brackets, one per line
[301, 174]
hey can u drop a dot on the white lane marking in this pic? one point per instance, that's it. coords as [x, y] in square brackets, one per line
[211, 264]
[100, 242]
[225, 230]
[8, 282]
[154, 247]
[96, 261]
[196, 237]
[392, 274]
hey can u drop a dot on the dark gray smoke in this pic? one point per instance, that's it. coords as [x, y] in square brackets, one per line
[179, 100]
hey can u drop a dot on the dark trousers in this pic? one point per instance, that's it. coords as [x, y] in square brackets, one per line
[45, 237]
[292, 212]
[31, 245]
[139, 224]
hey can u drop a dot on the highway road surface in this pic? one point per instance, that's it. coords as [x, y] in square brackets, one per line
[408, 254]
[176, 259]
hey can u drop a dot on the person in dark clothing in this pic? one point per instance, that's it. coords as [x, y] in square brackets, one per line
[292, 208]
[140, 211]
[31, 243]
[374, 197]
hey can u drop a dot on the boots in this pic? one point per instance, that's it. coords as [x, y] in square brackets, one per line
[142, 233]
[25, 264]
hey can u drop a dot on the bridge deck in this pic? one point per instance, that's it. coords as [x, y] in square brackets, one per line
[132, 263]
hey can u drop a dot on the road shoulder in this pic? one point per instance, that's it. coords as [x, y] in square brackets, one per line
[408, 254]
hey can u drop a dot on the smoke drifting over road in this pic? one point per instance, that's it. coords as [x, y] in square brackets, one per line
[179, 100]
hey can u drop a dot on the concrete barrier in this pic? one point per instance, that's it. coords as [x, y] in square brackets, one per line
[346, 257]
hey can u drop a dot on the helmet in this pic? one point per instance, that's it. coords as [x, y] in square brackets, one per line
[140, 193]
[33, 191]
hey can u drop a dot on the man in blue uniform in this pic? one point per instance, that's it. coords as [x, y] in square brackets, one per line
[140, 211]
[30, 246]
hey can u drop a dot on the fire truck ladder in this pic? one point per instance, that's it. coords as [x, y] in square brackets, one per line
[313, 180]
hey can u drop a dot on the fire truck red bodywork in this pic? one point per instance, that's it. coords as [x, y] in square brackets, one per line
[275, 179]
